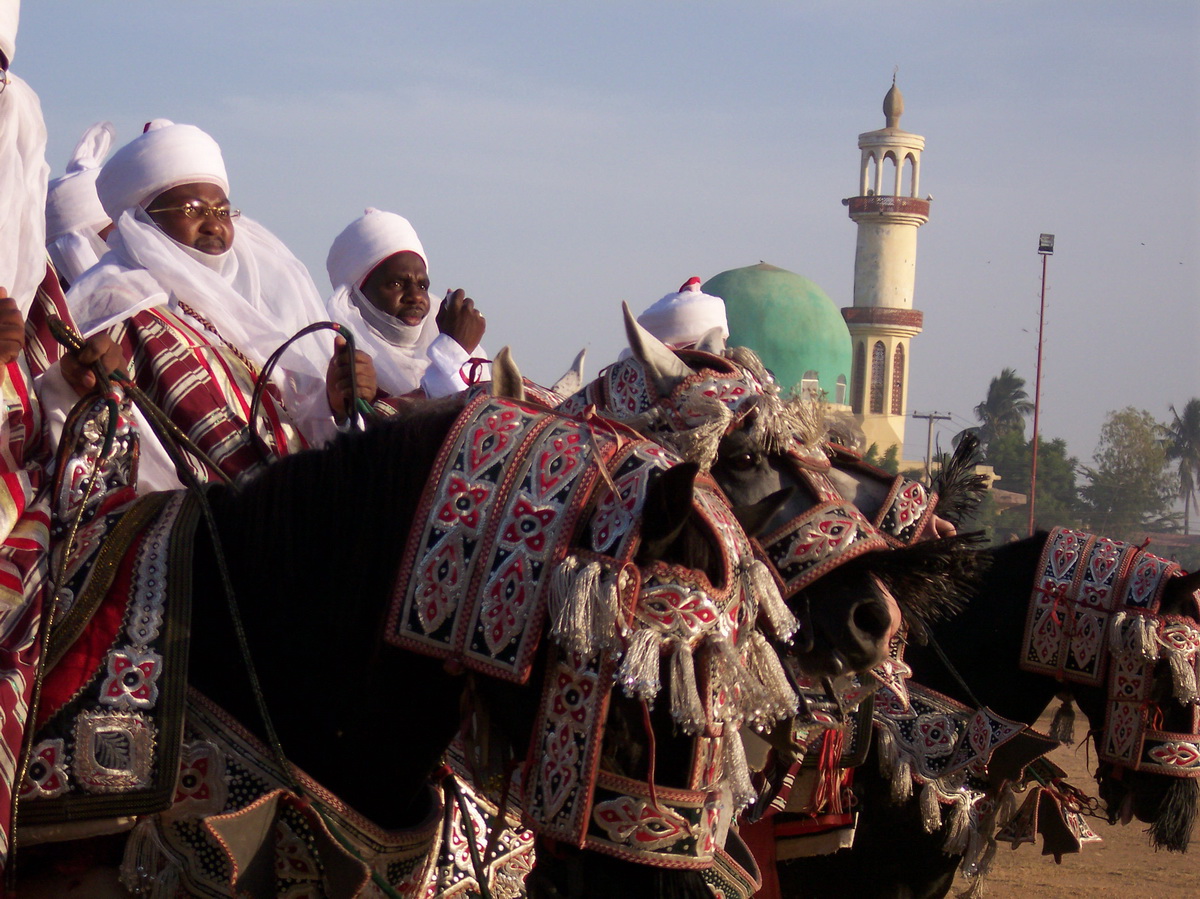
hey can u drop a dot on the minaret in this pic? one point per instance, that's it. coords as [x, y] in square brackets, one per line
[882, 320]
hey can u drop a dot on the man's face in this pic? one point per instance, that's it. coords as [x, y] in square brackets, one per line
[399, 286]
[185, 213]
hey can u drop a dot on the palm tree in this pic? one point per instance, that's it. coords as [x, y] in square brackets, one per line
[1005, 408]
[1182, 439]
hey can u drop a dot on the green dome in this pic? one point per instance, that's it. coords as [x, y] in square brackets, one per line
[790, 322]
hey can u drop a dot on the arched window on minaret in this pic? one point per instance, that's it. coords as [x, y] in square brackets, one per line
[898, 381]
[810, 386]
[909, 176]
[841, 390]
[860, 378]
[889, 183]
[878, 373]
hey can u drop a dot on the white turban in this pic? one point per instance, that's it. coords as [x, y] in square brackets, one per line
[23, 176]
[74, 216]
[165, 156]
[680, 319]
[366, 242]
[10, 15]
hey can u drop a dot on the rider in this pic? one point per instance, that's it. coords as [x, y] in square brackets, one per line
[380, 278]
[192, 306]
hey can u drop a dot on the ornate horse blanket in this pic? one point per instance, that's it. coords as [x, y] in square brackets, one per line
[532, 518]
[1095, 612]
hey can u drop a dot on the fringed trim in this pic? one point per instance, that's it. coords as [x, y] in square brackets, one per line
[737, 771]
[638, 672]
[902, 781]
[958, 828]
[1116, 633]
[931, 808]
[885, 740]
[749, 700]
[686, 708]
[1062, 728]
[585, 604]
[1134, 633]
[1183, 675]
[763, 663]
[760, 584]
[147, 869]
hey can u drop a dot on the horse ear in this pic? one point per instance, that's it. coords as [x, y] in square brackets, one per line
[662, 366]
[506, 377]
[1188, 587]
[667, 507]
[570, 383]
[712, 341]
[755, 517]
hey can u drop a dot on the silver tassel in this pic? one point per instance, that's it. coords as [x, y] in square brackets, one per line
[638, 672]
[1062, 728]
[931, 809]
[1116, 633]
[888, 754]
[770, 601]
[1183, 674]
[902, 781]
[146, 866]
[1146, 637]
[606, 613]
[737, 772]
[763, 662]
[750, 702]
[959, 826]
[686, 708]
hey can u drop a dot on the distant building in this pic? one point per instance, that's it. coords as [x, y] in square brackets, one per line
[882, 321]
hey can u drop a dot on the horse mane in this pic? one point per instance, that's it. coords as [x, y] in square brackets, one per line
[363, 490]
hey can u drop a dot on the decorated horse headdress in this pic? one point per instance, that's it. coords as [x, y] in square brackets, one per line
[529, 522]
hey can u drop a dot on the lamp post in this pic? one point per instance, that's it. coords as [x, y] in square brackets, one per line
[1045, 250]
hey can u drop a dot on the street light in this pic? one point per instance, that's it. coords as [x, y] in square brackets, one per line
[1045, 250]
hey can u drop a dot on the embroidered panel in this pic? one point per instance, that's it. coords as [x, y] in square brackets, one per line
[113, 748]
[228, 780]
[812, 544]
[1094, 612]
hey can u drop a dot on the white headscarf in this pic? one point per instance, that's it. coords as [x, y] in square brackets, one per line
[10, 16]
[166, 155]
[399, 351]
[256, 295]
[74, 216]
[680, 319]
[23, 177]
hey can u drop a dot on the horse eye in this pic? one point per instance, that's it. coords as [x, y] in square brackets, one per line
[741, 461]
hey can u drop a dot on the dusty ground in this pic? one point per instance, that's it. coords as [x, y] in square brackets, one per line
[1122, 866]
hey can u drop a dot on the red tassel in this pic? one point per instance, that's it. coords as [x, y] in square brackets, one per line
[827, 793]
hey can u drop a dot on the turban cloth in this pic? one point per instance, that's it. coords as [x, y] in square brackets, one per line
[74, 216]
[366, 242]
[680, 319]
[23, 177]
[165, 156]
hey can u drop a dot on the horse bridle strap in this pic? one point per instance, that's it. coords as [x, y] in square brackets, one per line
[1094, 619]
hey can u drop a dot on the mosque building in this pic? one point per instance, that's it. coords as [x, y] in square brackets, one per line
[856, 358]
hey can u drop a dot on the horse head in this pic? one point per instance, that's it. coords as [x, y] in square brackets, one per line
[724, 411]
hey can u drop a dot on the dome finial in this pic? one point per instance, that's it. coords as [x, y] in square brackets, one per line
[893, 103]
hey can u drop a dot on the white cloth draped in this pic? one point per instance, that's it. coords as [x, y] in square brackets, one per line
[74, 216]
[261, 296]
[23, 178]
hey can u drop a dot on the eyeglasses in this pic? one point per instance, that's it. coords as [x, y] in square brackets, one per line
[3, 80]
[197, 210]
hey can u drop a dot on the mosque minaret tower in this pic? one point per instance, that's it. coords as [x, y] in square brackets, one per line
[882, 321]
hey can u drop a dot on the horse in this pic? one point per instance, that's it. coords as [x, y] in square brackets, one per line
[310, 550]
[820, 516]
[973, 659]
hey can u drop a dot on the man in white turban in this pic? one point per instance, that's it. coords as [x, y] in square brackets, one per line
[681, 318]
[76, 223]
[380, 277]
[194, 306]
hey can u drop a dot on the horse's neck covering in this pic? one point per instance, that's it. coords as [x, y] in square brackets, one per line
[1095, 609]
[529, 515]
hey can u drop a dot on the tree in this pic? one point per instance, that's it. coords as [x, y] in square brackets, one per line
[1005, 408]
[1182, 437]
[1131, 489]
[889, 461]
[1057, 500]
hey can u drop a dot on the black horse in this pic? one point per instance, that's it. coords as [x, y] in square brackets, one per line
[893, 854]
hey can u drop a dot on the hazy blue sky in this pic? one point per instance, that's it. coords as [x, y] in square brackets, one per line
[560, 157]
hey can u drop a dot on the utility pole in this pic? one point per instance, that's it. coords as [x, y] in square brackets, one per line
[931, 417]
[1045, 250]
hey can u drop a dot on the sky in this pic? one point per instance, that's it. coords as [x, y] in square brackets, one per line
[558, 158]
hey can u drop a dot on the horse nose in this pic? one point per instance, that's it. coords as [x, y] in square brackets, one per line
[872, 619]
